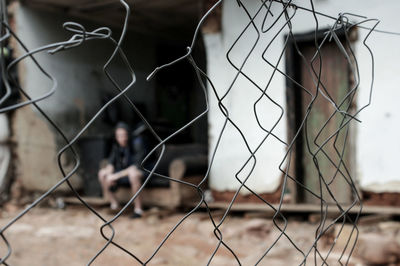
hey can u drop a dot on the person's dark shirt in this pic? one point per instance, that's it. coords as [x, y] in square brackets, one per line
[123, 157]
[120, 157]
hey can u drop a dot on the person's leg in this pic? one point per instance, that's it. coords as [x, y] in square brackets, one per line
[103, 175]
[135, 176]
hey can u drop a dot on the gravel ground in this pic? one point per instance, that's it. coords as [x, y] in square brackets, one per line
[71, 237]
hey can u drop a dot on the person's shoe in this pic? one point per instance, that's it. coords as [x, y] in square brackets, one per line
[136, 214]
[114, 206]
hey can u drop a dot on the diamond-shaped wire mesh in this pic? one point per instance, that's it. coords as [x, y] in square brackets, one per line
[324, 142]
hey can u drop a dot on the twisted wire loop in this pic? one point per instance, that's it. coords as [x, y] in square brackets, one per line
[270, 16]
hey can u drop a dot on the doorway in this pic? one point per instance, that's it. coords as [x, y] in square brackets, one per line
[179, 95]
[317, 155]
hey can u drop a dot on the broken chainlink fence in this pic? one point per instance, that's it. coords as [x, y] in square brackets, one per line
[316, 146]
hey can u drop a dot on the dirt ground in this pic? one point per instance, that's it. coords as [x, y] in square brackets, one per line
[71, 236]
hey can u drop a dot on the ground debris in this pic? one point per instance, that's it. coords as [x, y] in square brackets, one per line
[49, 236]
[377, 249]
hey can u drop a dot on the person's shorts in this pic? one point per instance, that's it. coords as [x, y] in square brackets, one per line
[122, 182]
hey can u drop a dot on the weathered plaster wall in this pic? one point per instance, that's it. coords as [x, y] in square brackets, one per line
[82, 83]
[81, 86]
[377, 141]
[5, 156]
[240, 102]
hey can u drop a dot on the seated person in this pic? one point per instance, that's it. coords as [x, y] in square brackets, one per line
[123, 168]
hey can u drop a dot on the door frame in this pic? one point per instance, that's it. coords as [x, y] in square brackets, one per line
[293, 66]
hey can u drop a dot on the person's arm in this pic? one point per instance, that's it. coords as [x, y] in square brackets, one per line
[118, 175]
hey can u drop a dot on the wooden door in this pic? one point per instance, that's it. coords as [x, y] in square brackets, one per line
[322, 122]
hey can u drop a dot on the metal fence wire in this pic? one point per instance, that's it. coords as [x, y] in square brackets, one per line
[316, 144]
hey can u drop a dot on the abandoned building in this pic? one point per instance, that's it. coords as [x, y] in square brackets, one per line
[155, 36]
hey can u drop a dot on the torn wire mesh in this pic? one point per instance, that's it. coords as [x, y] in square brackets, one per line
[318, 138]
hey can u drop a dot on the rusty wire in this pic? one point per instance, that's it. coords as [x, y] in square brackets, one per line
[288, 12]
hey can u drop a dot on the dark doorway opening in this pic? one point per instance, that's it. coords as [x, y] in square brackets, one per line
[322, 120]
[179, 96]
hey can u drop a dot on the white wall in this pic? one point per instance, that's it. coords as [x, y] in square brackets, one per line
[232, 152]
[377, 140]
[5, 152]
